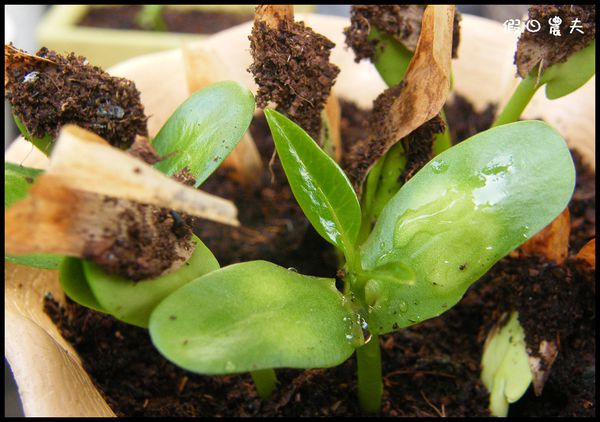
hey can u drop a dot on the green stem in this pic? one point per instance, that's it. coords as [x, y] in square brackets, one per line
[370, 382]
[265, 381]
[442, 141]
[519, 100]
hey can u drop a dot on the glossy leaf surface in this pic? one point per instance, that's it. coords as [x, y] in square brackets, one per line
[563, 78]
[255, 315]
[17, 180]
[204, 129]
[460, 214]
[133, 302]
[318, 183]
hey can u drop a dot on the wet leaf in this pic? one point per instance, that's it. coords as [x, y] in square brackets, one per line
[319, 185]
[204, 129]
[133, 302]
[251, 316]
[460, 214]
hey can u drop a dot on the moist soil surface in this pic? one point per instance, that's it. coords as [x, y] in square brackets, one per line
[431, 369]
[175, 20]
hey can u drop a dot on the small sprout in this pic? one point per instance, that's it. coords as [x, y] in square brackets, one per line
[563, 64]
[505, 364]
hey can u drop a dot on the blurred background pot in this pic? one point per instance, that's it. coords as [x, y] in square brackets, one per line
[48, 371]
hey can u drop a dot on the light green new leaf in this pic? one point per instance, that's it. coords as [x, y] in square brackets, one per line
[252, 316]
[133, 302]
[17, 180]
[204, 129]
[74, 284]
[505, 365]
[319, 185]
[563, 78]
[460, 214]
[43, 144]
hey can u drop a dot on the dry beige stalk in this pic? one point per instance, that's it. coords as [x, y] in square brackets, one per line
[553, 241]
[273, 14]
[82, 161]
[587, 254]
[333, 113]
[202, 68]
[423, 92]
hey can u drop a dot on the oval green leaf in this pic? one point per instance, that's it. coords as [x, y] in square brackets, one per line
[318, 183]
[17, 180]
[461, 213]
[133, 302]
[252, 316]
[563, 78]
[74, 284]
[204, 130]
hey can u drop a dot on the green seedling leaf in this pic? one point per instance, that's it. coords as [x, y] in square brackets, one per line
[252, 316]
[133, 302]
[204, 129]
[505, 366]
[150, 17]
[17, 180]
[460, 214]
[563, 78]
[392, 60]
[319, 185]
[74, 284]
[395, 162]
[43, 144]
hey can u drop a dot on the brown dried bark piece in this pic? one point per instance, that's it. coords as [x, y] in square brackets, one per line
[291, 68]
[49, 90]
[587, 254]
[143, 150]
[132, 240]
[401, 109]
[401, 22]
[553, 241]
[548, 49]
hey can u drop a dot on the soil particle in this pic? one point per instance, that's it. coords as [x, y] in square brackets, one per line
[419, 146]
[175, 19]
[66, 89]
[401, 22]
[143, 150]
[291, 68]
[546, 47]
[464, 121]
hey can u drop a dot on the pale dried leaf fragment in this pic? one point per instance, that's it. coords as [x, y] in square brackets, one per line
[202, 68]
[541, 362]
[83, 161]
[273, 14]
[552, 241]
[333, 113]
[421, 95]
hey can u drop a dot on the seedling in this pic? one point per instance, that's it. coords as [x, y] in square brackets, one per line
[438, 234]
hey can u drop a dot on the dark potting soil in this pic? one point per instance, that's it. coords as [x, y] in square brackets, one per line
[49, 90]
[175, 19]
[431, 369]
[400, 21]
[292, 69]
